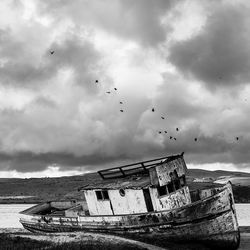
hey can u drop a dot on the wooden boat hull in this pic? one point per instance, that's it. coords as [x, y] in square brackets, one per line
[219, 231]
[212, 220]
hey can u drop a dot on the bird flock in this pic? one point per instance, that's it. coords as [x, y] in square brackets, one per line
[153, 110]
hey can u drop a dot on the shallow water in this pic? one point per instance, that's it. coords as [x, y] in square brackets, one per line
[243, 214]
[9, 217]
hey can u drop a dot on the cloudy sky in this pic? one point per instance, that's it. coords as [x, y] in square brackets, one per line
[189, 60]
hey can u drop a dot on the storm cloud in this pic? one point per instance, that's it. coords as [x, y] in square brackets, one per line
[72, 53]
[88, 105]
[219, 55]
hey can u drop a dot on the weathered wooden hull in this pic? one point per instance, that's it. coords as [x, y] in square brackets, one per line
[212, 220]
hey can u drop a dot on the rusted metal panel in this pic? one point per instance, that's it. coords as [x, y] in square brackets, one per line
[163, 171]
[176, 199]
[135, 182]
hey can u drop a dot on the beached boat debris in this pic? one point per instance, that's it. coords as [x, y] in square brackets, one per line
[150, 198]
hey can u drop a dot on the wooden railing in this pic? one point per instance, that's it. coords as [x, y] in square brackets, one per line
[131, 169]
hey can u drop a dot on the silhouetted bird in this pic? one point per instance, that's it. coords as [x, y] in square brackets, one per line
[165, 132]
[96, 81]
[52, 52]
[237, 138]
[162, 117]
[177, 129]
[153, 110]
[108, 92]
[121, 102]
[195, 139]
[170, 137]
[121, 110]
[175, 139]
[115, 88]
[159, 132]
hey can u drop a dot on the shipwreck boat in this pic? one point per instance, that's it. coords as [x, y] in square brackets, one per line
[150, 198]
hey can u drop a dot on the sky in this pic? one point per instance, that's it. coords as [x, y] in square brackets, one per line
[79, 80]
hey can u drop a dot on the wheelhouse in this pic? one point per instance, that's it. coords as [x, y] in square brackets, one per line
[148, 186]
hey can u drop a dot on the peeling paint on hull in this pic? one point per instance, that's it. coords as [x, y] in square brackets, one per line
[211, 220]
[213, 231]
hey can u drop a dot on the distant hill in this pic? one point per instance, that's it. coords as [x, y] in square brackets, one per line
[201, 173]
[44, 189]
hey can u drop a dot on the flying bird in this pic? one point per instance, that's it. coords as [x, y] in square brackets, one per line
[174, 138]
[96, 81]
[237, 138]
[153, 110]
[121, 102]
[159, 132]
[177, 129]
[165, 132]
[115, 88]
[108, 92]
[52, 52]
[170, 137]
[162, 117]
[121, 110]
[195, 139]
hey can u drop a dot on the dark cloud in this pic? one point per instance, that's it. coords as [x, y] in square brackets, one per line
[73, 53]
[30, 162]
[220, 54]
[55, 114]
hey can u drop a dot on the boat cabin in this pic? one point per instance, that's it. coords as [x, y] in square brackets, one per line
[142, 187]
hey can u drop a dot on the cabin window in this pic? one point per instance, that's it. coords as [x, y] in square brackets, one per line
[122, 192]
[183, 181]
[162, 190]
[175, 175]
[98, 195]
[177, 183]
[105, 195]
[102, 195]
[170, 187]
